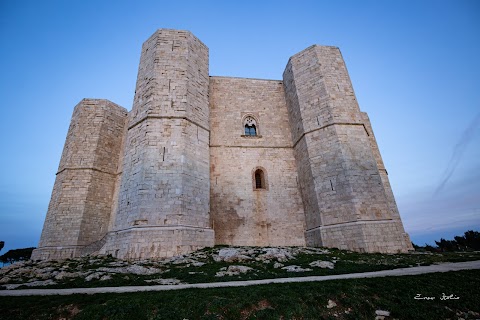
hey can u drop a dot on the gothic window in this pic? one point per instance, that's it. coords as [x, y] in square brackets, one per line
[250, 125]
[259, 177]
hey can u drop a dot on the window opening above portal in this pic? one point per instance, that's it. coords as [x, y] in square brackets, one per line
[259, 180]
[250, 125]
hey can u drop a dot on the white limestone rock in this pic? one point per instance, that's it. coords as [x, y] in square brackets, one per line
[106, 277]
[164, 281]
[279, 254]
[94, 276]
[331, 304]
[233, 271]
[4, 280]
[139, 270]
[200, 255]
[315, 251]
[383, 313]
[117, 264]
[230, 255]
[134, 269]
[63, 274]
[322, 264]
[182, 260]
[294, 268]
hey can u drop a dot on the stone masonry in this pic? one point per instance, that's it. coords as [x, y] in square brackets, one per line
[182, 171]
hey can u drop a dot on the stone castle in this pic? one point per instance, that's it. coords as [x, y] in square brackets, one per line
[202, 160]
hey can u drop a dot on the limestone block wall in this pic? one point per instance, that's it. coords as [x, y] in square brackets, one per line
[81, 202]
[241, 214]
[157, 182]
[381, 168]
[365, 236]
[360, 169]
[406, 242]
[172, 78]
[165, 176]
[333, 146]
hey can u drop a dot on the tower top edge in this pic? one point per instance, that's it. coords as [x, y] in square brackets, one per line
[311, 47]
[174, 31]
[244, 78]
[96, 102]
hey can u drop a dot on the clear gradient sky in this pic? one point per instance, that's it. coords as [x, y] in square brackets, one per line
[415, 68]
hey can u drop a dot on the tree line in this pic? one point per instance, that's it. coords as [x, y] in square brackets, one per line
[470, 241]
[15, 255]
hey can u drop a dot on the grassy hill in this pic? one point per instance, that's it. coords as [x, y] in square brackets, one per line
[376, 298]
[216, 264]
[337, 299]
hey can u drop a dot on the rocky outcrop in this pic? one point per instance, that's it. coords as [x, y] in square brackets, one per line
[155, 271]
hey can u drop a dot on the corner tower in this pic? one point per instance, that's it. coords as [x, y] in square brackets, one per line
[347, 198]
[83, 194]
[163, 206]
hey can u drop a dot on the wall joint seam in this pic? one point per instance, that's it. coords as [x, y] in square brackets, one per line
[263, 147]
[87, 168]
[350, 222]
[328, 125]
[167, 117]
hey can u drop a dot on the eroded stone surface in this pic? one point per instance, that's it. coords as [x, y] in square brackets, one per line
[231, 255]
[294, 268]
[322, 264]
[233, 271]
[178, 172]
[279, 254]
[331, 304]
[164, 281]
[101, 268]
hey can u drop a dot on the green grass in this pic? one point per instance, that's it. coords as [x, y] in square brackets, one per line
[355, 299]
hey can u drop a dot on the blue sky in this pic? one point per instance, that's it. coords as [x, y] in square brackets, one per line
[414, 66]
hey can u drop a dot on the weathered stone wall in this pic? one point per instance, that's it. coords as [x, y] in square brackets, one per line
[165, 176]
[241, 214]
[333, 146]
[153, 241]
[405, 239]
[81, 203]
[160, 182]
[364, 236]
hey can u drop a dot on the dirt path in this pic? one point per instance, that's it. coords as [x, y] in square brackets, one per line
[444, 267]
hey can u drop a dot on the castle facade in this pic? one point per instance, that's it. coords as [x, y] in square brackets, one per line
[203, 160]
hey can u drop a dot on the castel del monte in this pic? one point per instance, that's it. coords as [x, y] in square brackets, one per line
[203, 160]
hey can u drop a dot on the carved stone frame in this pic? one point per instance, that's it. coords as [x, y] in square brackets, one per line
[265, 179]
[255, 116]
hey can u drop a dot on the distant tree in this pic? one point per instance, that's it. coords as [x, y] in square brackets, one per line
[461, 242]
[469, 241]
[2, 244]
[15, 255]
[447, 245]
[431, 248]
[472, 239]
